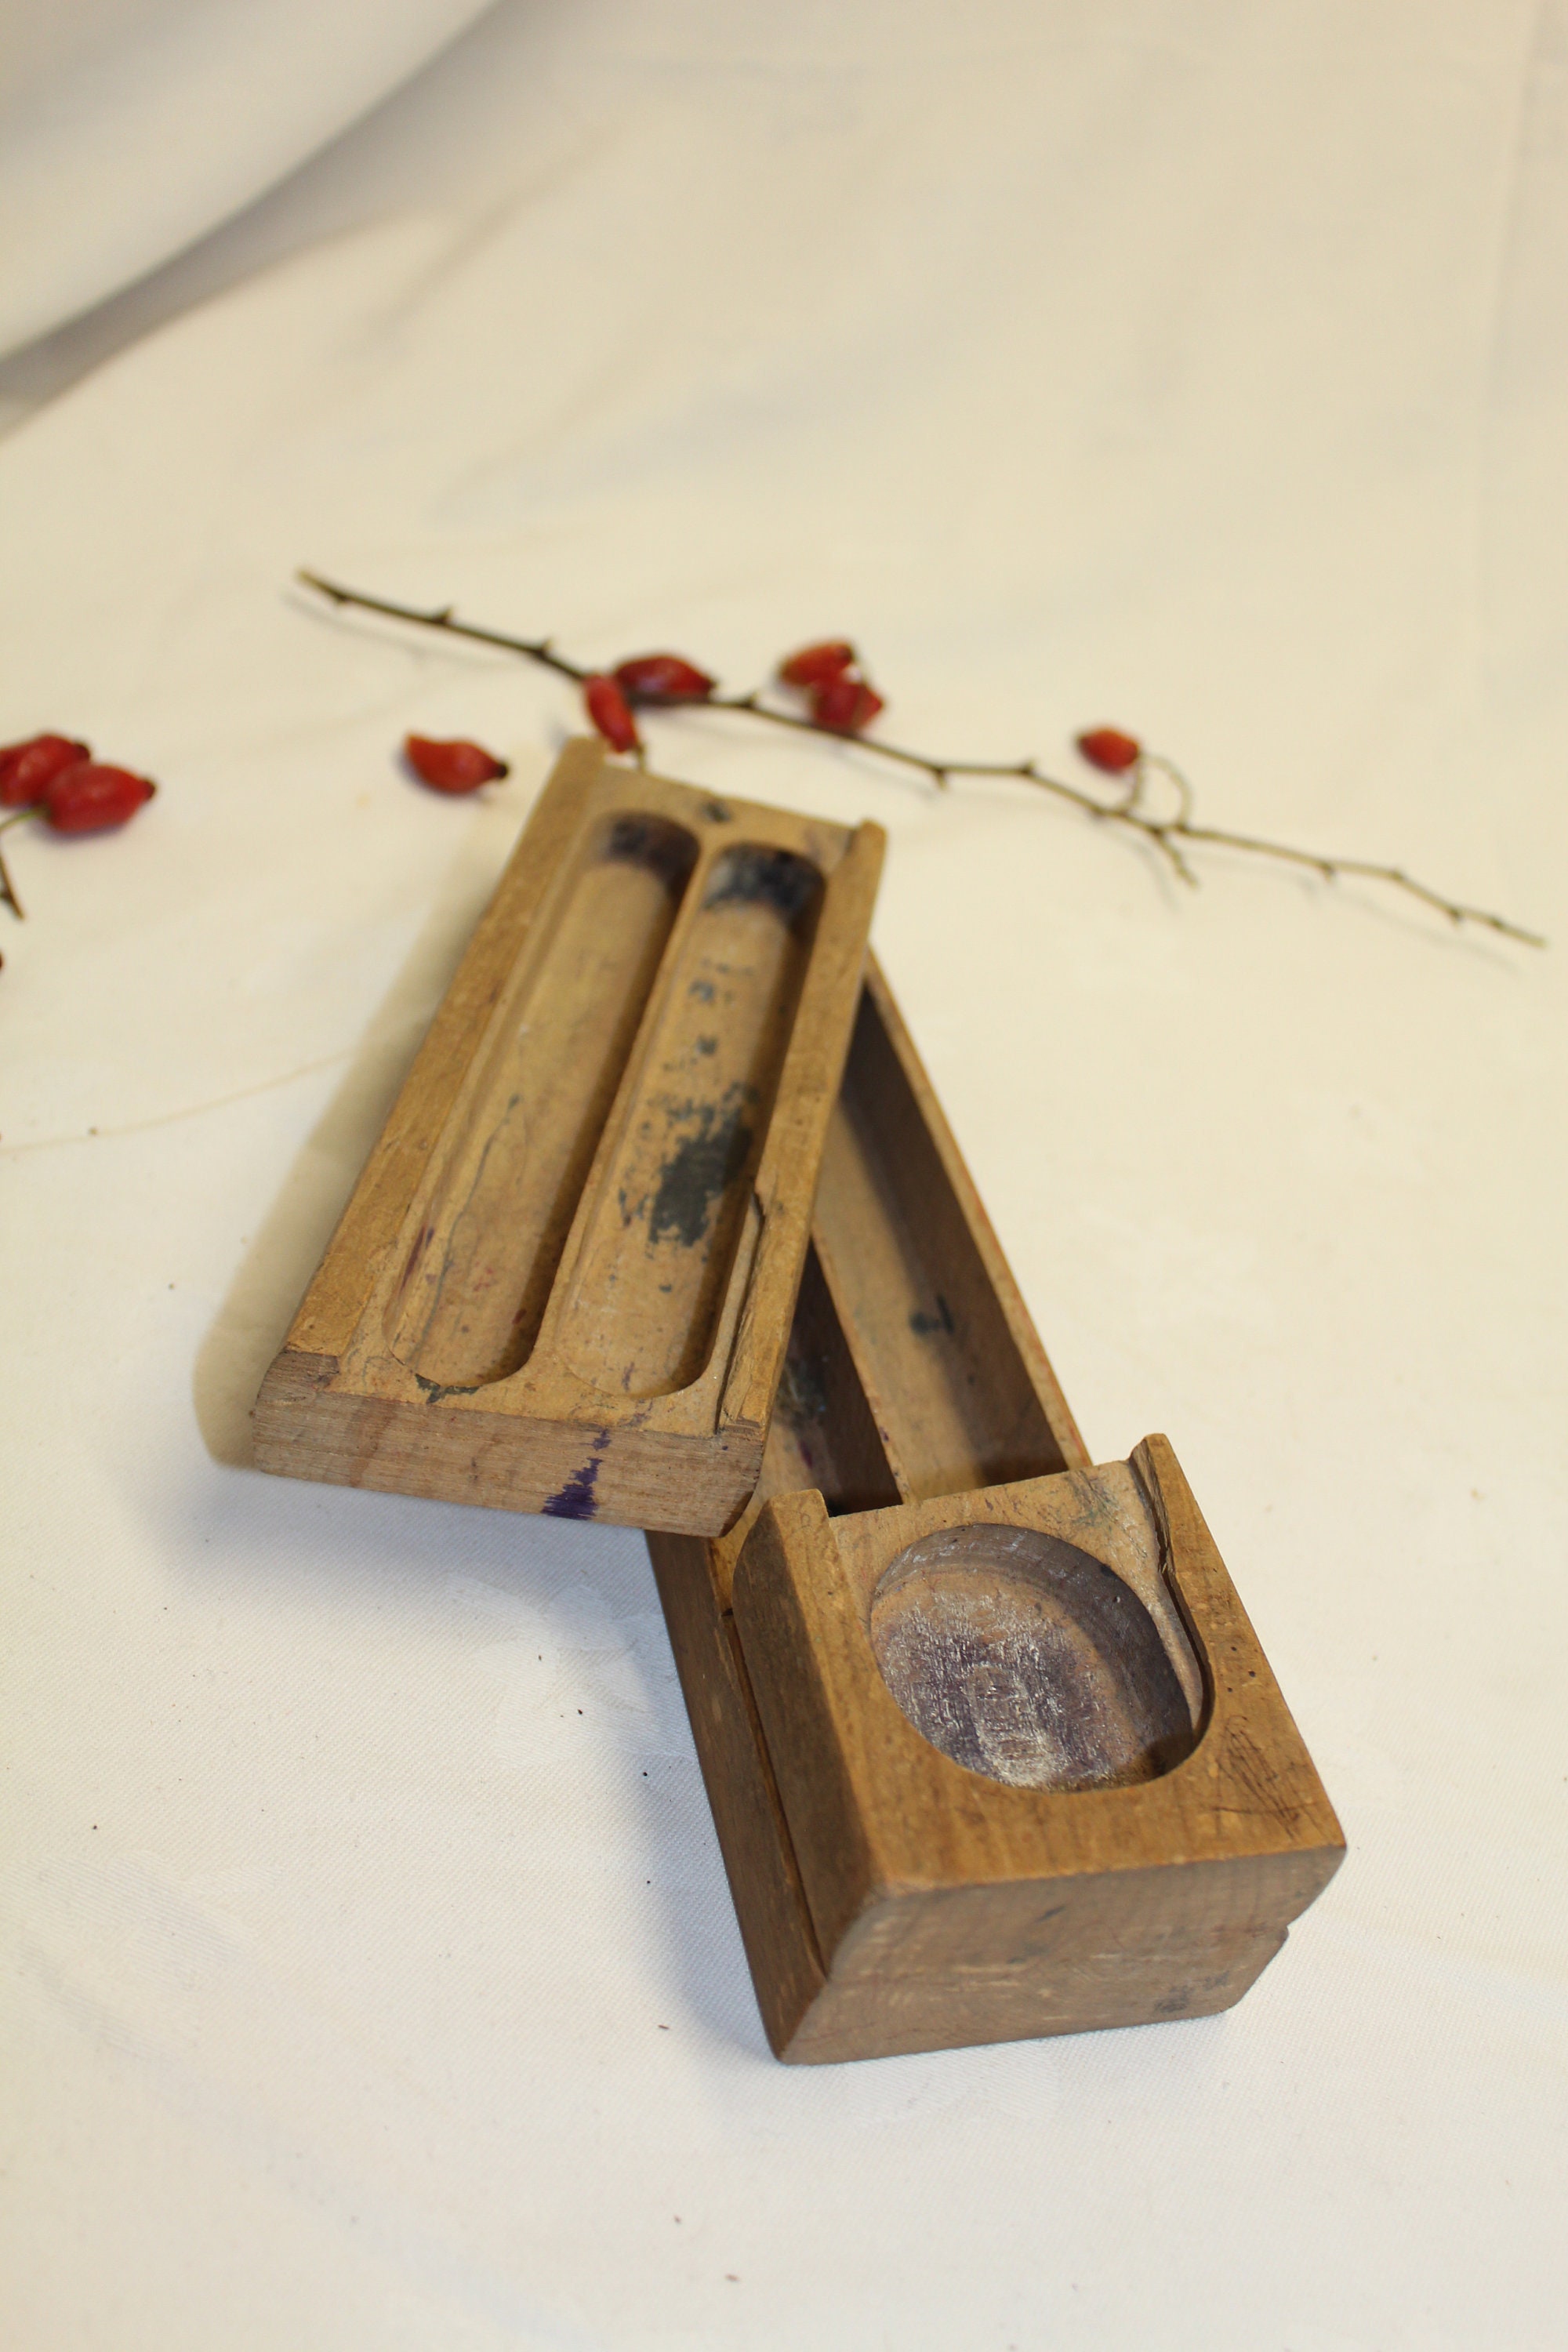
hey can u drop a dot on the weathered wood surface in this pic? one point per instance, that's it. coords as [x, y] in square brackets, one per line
[564, 1280]
[1124, 1819]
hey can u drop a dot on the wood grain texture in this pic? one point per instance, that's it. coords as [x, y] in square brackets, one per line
[891, 1896]
[565, 1279]
[918, 1871]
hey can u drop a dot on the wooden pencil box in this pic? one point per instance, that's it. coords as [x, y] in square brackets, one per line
[565, 1279]
[990, 1747]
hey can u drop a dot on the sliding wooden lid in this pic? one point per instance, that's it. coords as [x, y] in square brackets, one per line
[565, 1278]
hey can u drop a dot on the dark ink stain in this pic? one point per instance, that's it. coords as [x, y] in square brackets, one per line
[435, 1390]
[716, 813]
[923, 1324]
[705, 1045]
[575, 1499]
[702, 990]
[773, 877]
[698, 1172]
[667, 850]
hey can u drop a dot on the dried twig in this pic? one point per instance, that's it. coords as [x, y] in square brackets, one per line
[7, 888]
[1168, 835]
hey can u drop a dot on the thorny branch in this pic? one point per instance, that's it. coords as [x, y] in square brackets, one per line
[1170, 834]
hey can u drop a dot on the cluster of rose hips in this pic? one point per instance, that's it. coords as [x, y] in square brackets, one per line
[58, 779]
[839, 699]
[839, 696]
[54, 777]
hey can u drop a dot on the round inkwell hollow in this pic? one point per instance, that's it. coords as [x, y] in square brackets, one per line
[1022, 1657]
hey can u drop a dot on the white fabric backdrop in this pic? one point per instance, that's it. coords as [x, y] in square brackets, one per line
[129, 128]
[372, 1976]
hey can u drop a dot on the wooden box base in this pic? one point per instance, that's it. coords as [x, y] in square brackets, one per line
[992, 1749]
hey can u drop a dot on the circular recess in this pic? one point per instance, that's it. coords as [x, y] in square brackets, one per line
[1022, 1657]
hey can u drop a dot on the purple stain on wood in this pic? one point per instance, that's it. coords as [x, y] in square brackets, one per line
[575, 1499]
[422, 1241]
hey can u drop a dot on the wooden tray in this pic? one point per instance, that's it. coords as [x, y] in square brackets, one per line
[565, 1278]
[992, 1749]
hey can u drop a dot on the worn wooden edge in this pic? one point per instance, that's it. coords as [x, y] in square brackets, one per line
[1146, 1971]
[776, 1926]
[787, 1175]
[305, 1430]
[811, 1746]
[1020, 1322]
[1245, 1701]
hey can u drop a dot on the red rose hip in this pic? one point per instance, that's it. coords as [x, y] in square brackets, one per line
[818, 664]
[27, 769]
[452, 767]
[662, 677]
[844, 705]
[1107, 748]
[611, 714]
[89, 798]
